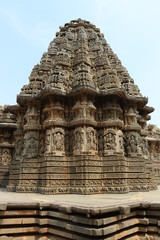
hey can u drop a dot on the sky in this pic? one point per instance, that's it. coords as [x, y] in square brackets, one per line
[131, 27]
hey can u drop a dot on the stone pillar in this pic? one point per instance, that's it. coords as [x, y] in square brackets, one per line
[7, 126]
[111, 146]
[15, 164]
[85, 170]
[29, 161]
[139, 169]
[154, 159]
[54, 167]
[5, 160]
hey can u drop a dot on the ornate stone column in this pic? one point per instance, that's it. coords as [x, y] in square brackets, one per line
[7, 126]
[85, 171]
[139, 168]
[19, 142]
[111, 146]
[29, 160]
[54, 167]
[153, 139]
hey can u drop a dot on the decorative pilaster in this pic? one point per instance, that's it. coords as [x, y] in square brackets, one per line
[7, 142]
[111, 146]
[29, 161]
[139, 172]
[19, 145]
[54, 166]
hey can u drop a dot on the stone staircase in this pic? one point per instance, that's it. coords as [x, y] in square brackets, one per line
[60, 222]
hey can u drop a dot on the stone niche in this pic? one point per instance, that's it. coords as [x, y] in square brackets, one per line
[82, 122]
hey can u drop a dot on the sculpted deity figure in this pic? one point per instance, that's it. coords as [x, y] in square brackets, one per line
[47, 141]
[100, 142]
[144, 147]
[91, 139]
[31, 146]
[19, 147]
[58, 141]
[54, 141]
[120, 142]
[78, 140]
[32, 143]
[6, 157]
[110, 141]
[132, 144]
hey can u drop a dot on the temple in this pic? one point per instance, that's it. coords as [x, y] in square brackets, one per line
[80, 124]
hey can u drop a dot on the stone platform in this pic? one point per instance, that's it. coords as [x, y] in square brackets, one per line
[96, 200]
[109, 216]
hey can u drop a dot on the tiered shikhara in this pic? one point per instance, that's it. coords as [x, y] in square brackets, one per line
[81, 124]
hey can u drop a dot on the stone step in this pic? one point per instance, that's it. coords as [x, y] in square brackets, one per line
[45, 221]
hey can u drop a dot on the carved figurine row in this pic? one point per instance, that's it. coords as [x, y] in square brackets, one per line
[86, 139]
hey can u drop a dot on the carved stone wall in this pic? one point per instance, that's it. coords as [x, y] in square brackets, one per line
[7, 126]
[82, 122]
[154, 150]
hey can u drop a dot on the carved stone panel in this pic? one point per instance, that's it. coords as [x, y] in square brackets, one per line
[58, 140]
[48, 141]
[120, 142]
[19, 147]
[5, 157]
[100, 142]
[31, 143]
[79, 139]
[67, 142]
[144, 147]
[84, 109]
[133, 143]
[32, 116]
[41, 144]
[91, 140]
[54, 141]
[109, 141]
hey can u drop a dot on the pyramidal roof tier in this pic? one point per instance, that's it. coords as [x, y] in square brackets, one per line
[79, 58]
[7, 120]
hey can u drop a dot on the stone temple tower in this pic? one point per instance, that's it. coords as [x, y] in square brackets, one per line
[81, 124]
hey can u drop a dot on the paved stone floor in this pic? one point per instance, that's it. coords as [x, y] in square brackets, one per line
[87, 201]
